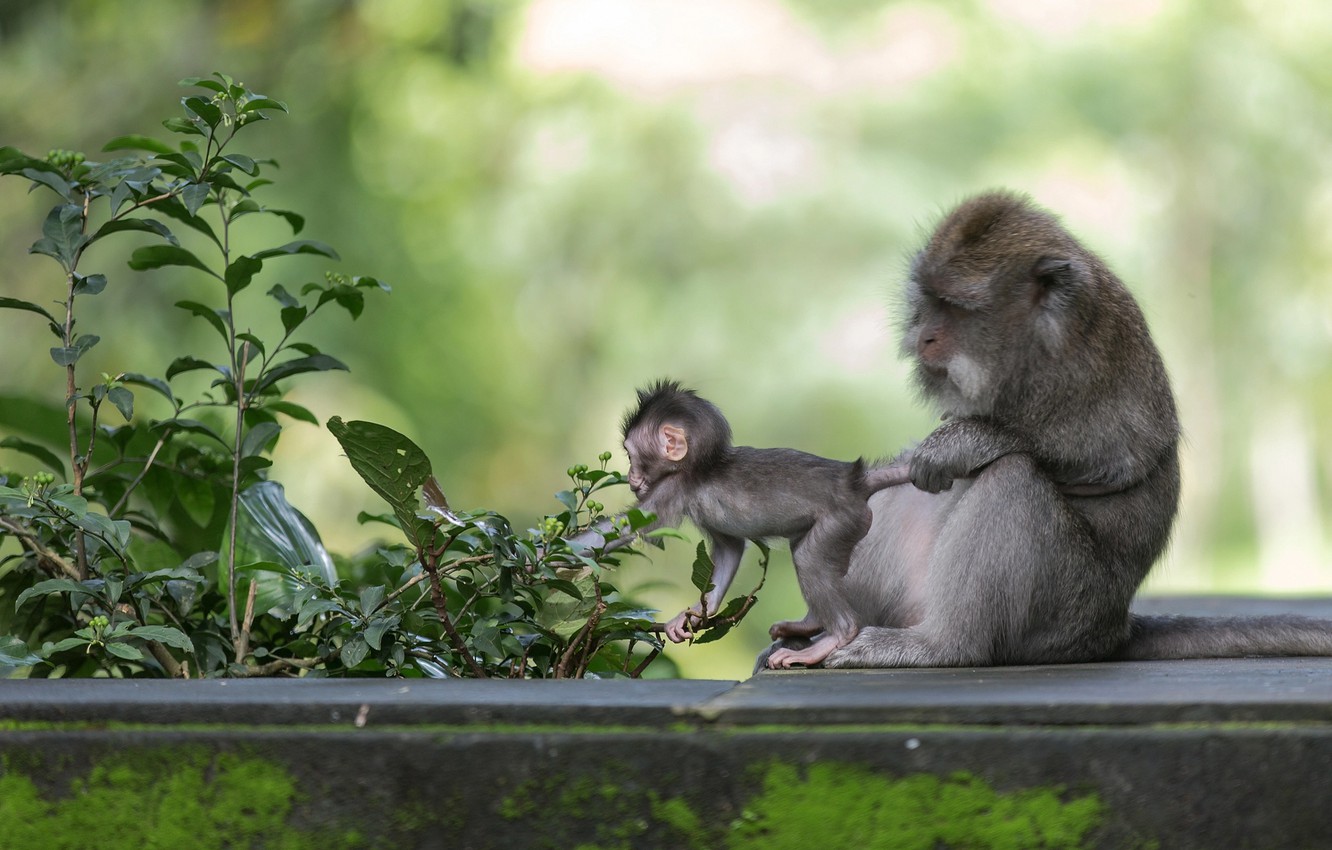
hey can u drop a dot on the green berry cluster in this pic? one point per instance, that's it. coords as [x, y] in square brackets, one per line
[63, 159]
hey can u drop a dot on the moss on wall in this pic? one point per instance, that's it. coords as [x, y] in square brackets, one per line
[165, 798]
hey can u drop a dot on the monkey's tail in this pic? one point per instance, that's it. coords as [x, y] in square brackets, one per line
[878, 478]
[1161, 637]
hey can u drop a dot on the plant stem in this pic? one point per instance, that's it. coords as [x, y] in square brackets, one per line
[430, 562]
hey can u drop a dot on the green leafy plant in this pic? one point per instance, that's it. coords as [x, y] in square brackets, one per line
[157, 545]
[145, 527]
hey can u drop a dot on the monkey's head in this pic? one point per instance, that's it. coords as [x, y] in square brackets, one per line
[998, 294]
[672, 431]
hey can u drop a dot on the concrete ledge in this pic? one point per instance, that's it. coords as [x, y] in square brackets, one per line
[1193, 754]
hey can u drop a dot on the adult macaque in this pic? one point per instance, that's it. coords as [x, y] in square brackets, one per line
[1050, 489]
[682, 465]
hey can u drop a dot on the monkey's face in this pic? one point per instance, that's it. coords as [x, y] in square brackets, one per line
[642, 463]
[949, 339]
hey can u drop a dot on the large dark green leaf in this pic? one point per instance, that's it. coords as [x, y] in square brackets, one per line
[157, 256]
[391, 464]
[241, 271]
[15, 653]
[62, 234]
[89, 285]
[314, 363]
[208, 314]
[135, 142]
[16, 304]
[193, 196]
[701, 575]
[300, 246]
[68, 356]
[205, 109]
[148, 225]
[190, 364]
[164, 634]
[45, 455]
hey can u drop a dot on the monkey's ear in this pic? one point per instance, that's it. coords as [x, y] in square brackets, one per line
[674, 443]
[1051, 271]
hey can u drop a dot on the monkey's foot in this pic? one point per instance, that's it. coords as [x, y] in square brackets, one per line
[817, 651]
[794, 628]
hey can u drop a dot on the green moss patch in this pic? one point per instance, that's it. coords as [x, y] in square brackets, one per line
[168, 799]
[841, 806]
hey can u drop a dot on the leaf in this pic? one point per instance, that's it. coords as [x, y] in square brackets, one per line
[15, 304]
[13, 160]
[354, 651]
[63, 646]
[157, 256]
[157, 384]
[205, 109]
[148, 225]
[370, 597]
[189, 364]
[68, 356]
[702, 572]
[123, 399]
[180, 125]
[62, 234]
[263, 103]
[49, 177]
[45, 455]
[314, 363]
[374, 633]
[92, 284]
[125, 651]
[295, 411]
[391, 464]
[52, 585]
[292, 317]
[204, 83]
[244, 163]
[164, 634]
[135, 142]
[301, 246]
[194, 195]
[241, 271]
[568, 588]
[258, 438]
[285, 298]
[206, 313]
[15, 653]
[192, 426]
[175, 209]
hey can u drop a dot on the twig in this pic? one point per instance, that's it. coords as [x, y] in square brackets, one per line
[170, 664]
[46, 559]
[430, 562]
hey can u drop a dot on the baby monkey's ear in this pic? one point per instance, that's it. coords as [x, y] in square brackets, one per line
[674, 443]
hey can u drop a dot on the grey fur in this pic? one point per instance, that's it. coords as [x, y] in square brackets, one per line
[1050, 490]
[733, 493]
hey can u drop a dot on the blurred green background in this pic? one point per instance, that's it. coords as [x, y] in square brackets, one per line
[573, 197]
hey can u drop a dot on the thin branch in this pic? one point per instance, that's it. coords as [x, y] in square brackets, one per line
[46, 559]
[430, 564]
[147, 466]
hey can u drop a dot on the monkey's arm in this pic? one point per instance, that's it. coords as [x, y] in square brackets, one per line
[959, 448]
[726, 555]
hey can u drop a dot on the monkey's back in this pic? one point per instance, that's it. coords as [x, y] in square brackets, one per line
[776, 492]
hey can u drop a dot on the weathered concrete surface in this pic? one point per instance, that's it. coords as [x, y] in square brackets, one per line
[1192, 754]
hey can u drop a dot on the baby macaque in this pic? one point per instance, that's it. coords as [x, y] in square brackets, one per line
[682, 465]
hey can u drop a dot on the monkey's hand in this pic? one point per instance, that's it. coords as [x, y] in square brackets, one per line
[681, 627]
[933, 466]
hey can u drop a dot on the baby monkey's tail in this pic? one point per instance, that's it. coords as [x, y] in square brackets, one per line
[878, 478]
